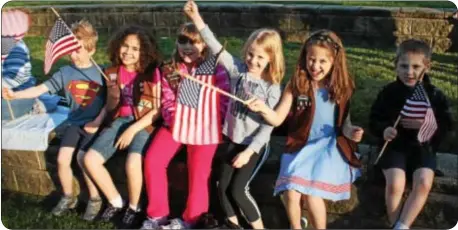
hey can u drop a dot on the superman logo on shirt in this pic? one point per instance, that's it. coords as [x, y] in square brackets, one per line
[83, 92]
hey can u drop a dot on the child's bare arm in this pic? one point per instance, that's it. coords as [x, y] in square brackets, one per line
[32, 92]
[277, 116]
[352, 132]
[233, 65]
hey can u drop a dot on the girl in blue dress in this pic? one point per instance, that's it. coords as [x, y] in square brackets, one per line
[320, 160]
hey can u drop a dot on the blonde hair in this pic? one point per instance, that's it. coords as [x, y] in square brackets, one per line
[86, 34]
[189, 30]
[271, 41]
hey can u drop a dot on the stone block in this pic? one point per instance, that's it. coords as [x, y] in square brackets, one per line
[424, 27]
[441, 44]
[231, 21]
[255, 21]
[378, 11]
[344, 206]
[33, 181]
[320, 22]
[212, 19]
[417, 12]
[380, 26]
[339, 10]
[403, 26]
[236, 32]
[26, 159]
[169, 19]
[8, 178]
[298, 22]
[303, 8]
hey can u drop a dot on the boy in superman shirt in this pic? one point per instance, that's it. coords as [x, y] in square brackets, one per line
[84, 89]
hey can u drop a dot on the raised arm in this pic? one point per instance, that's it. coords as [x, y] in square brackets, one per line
[277, 116]
[233, 65]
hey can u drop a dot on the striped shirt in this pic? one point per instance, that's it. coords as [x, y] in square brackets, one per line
[17, 70]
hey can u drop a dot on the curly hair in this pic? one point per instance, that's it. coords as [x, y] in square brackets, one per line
[339, 82]
[149, 50]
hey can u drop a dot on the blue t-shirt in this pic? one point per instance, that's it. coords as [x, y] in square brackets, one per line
[84, 90]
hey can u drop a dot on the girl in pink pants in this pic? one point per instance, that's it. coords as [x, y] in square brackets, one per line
[193, 117]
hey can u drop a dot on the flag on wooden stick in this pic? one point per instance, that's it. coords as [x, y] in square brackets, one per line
[61, 42]
[418, 106]
[196, 119]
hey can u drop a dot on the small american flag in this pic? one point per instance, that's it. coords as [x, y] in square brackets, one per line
[61, 42]
[197, 113]
[419, 107]
[7, 44]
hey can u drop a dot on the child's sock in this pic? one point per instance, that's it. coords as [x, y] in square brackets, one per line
[134, 207]
[117, 202]
[400, 225]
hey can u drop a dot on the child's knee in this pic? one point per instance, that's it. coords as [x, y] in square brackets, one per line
[92, 159]
[423, 185]
[292, 196]
[395, 188]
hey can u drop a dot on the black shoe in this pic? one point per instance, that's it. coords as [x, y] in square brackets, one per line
[131, 218]
[439, 173]
[109, 213]
[229, 225]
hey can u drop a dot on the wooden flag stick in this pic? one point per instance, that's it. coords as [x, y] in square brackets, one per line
[92, 60]
[10, 109]
[211, 87]
[386, 142]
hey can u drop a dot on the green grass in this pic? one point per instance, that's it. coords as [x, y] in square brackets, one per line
[371, 69]
[23, 211]
[429, 4]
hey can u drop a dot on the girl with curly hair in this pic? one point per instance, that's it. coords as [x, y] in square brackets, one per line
[133, 98]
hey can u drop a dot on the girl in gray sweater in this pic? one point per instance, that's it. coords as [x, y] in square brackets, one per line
[246, 133]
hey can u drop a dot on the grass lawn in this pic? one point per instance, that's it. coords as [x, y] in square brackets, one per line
[23, 211]
[371, 69]
[429, 4]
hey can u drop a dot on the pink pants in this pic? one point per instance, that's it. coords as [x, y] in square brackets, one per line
[160, 152]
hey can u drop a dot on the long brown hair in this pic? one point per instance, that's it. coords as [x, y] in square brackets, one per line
[339, 82]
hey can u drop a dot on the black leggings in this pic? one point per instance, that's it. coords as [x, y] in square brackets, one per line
[238, 180]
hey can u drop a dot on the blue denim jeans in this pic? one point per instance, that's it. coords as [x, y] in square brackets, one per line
[104, 144]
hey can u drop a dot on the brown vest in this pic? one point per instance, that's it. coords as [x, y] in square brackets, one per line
[143, 94]
[301, 123]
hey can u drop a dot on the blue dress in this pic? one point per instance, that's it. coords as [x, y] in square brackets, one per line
[318, 169]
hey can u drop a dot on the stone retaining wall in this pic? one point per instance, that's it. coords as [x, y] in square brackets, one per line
[35, 172]
[378, 27]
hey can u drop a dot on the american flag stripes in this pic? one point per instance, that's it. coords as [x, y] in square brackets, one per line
[419, 107]
[197, 112]
[61, 42]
